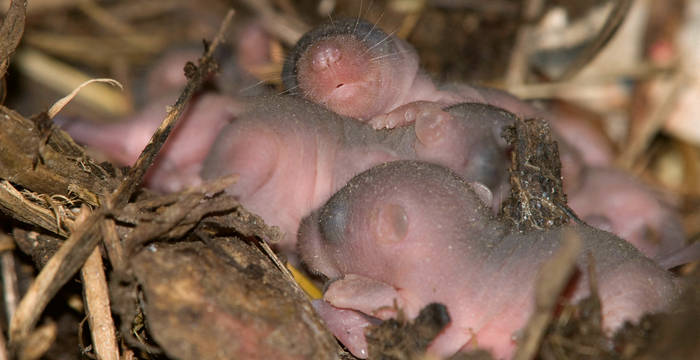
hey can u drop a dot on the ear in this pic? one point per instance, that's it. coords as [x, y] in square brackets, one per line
[363, 294]
[483, 192]
[310, 247]
[389, 223]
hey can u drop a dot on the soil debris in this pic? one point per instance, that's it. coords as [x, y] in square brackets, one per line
[537, 199]
[398, 339]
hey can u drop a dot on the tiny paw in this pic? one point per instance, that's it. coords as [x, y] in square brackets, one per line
[432, 125]
[405, 114]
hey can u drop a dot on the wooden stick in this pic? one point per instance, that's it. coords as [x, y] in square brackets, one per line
[11, 32]
[615, 19]
[96, 294]
[9, 277]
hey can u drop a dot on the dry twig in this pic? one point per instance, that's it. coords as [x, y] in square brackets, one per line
[9, 284]
[518, 67]
[11, 32]
[96, 292]
[613, 22]
[29, 212]
[286, 28]
[9, 276]
[650, 125]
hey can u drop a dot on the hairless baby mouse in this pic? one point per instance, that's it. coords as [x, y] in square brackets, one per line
[180, 161]
[356, 69]
[612, 200]
[292, 154]
[405, 234]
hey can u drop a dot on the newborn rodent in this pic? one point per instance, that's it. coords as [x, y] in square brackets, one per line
[407, 233]
[292, 154]
[355, 69]
[612, 200]
[180, 161]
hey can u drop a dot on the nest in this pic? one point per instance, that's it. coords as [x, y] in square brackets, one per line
[175, 276]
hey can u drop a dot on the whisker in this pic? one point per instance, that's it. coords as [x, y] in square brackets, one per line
[288, 90]
[387, 55]
[241, 91]
[374, 26]
[357, 21]
[389, 35]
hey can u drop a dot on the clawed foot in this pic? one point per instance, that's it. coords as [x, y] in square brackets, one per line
[407, 114]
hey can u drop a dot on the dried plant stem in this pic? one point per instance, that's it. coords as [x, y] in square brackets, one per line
[3, 348]
[113, 245]
[518, 67]
[55, 273]
[96, 293]
[652, 124]
[27, 211]
[286, 27]
[11, 32]
[145, 159]
[615, 19]
[63, 78]
[9, 285]
[9, 277]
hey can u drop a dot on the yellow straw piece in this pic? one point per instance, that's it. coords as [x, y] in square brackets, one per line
[305, 283]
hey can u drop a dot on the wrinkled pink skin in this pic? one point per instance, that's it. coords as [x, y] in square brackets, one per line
[408, 233]
[180, 160]
[292, 155]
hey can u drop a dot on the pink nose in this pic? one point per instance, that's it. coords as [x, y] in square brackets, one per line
[324, 57]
